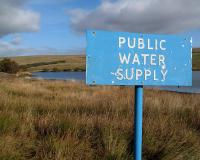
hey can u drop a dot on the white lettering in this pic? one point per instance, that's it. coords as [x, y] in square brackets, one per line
[122, 40]
[136, 59]
[156, 44]
[154, 77]
[124, 59]
[147, 73]
[141, 43]
[132, 72]
[149, 45]
[161, 60]
[164, 73]
[145, 58]
[119, 74]
[131, 45]
[138, 73]
[153, 59]
[161, 45]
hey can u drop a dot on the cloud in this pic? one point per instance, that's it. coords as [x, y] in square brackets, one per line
[150, 16]
[10, 49]
[15, 19]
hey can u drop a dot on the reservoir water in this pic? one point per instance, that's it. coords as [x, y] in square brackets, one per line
[81, 76]
[60, 75]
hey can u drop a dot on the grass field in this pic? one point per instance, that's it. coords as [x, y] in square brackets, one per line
[52, 63]
[60, 120]
[196, 61]
[70, 63]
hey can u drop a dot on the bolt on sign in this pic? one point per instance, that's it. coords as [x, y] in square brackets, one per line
[121, 58]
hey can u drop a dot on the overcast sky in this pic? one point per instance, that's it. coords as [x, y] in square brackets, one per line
[30, 27]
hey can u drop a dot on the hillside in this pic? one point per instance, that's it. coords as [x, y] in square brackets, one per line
[51, 63]
[196, 50]
[70, 62]
[196, 59]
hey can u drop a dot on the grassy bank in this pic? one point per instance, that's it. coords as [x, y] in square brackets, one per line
[68, 120]
[70, 63]
[51, 63]
[196, 61]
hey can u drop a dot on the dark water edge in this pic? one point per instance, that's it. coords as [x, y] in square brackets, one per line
[195, 88]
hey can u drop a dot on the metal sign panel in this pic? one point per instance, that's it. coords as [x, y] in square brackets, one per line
[121, 58]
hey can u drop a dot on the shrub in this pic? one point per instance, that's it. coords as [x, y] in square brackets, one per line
[9, 66]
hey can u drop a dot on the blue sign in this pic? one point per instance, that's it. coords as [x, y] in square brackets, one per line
[121, 58]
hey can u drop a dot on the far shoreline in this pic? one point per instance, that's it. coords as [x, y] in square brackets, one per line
[70, 63]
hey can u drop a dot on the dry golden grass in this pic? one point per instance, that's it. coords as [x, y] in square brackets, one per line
[196, 61]
[62, 120]
[51, 63]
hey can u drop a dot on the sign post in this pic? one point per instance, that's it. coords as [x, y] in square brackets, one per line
[138, 122]
[132, 59]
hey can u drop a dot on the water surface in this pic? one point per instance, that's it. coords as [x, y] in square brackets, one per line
[60, 75]
[195, 88]
[81, 76]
